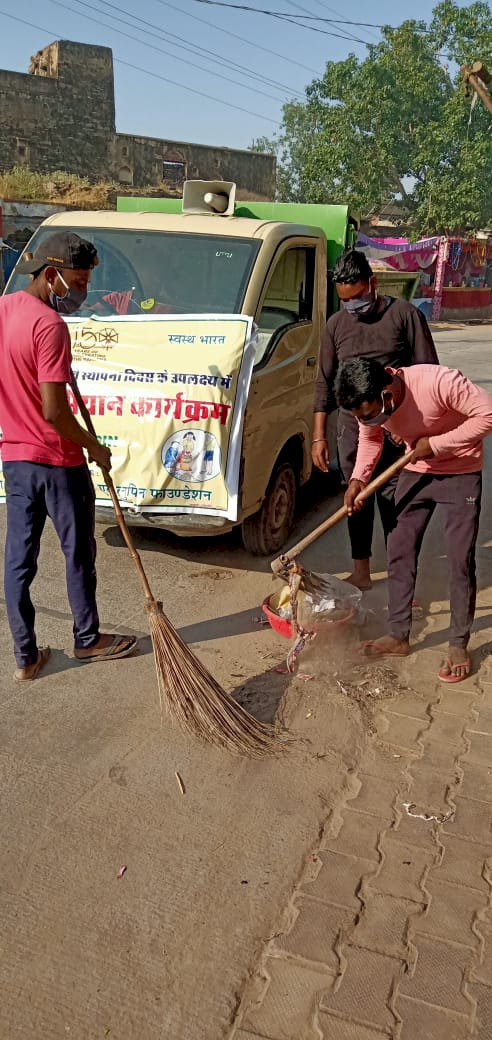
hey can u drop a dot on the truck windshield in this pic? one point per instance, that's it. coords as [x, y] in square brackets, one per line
[152, 272]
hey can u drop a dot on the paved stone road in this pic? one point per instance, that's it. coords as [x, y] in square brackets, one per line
[313, 875]
[389, 930]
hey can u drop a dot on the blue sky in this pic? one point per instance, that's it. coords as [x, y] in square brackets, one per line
[146, 105]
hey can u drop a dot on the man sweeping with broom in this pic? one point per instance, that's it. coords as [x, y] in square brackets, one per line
[46, 475]
[42, 452]
[444, 417]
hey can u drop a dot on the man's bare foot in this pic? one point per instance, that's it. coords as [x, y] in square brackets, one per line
[107, 648]
[457, 665]
[361, 576]
[387, 646]
[31, 671]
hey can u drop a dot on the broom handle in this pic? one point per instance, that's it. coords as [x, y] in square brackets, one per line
[379, 482]
[114, 497]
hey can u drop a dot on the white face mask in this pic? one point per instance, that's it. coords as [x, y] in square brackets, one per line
[381, 417]
[362, 304]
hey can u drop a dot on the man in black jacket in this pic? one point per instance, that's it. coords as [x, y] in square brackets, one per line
[387, 330]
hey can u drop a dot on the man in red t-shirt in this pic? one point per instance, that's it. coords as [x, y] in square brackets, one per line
[42, 458]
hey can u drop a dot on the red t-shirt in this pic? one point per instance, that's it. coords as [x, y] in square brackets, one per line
[34, 349]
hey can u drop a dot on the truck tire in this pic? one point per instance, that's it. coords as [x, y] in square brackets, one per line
[267, 530]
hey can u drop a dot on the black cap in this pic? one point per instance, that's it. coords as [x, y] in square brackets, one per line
[62, 249]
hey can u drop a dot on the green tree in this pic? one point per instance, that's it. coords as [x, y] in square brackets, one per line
[398, 125]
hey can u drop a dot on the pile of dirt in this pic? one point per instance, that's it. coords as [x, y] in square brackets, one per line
[372, 682]
[366, 684]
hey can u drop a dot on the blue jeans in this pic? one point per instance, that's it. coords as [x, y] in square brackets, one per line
[66, 495]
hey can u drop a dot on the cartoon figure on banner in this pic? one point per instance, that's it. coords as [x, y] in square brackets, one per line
[207, 456]
[186, 457]
[192, 455]
[171, 457]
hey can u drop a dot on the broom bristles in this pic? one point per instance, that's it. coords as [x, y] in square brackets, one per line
[197, 701]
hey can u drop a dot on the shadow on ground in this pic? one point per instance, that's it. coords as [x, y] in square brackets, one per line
[262, 695]
[320, 490]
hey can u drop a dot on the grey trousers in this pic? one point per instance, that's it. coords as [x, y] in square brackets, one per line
[459, 499]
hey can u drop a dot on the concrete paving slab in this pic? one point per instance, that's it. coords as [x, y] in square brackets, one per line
[87, 767]
[423, 880]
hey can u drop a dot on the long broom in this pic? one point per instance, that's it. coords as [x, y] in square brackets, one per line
[284, 564]
[191, 694]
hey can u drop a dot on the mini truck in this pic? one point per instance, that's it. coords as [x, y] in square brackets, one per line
[278, 274]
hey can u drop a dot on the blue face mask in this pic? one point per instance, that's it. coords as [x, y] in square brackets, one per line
[362, 304]
[70, 302]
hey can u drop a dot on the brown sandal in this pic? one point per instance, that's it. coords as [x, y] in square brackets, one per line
[373, 649]
[43, 655]
[121, 646]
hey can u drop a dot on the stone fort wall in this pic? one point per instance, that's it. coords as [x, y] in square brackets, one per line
[61, 116]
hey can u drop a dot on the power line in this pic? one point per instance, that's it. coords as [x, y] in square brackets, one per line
[236, 36]
[326, 32]
[287, 16]
[309, 15]
[200, 93]
[193, 48]
[281, 16]
[333, 10]
[311, 28]
[151, 46]
[54, 33]
[299, 25]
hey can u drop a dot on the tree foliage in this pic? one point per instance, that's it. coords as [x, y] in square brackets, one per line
[398, 124]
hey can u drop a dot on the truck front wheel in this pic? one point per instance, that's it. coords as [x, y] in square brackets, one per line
[267, 530]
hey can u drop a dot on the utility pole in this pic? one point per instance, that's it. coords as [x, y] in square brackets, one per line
[478, 76]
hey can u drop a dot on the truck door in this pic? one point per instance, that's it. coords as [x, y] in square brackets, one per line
[279, 414]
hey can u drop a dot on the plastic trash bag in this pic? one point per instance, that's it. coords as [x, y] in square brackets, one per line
[320, 598]
[313, 602]
[323, 599]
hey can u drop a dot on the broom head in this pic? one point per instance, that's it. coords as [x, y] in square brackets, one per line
[194, 698]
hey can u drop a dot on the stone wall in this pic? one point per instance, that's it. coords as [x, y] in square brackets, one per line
[61, 116]
[151, 160]
[86, 116]
[25, 104]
